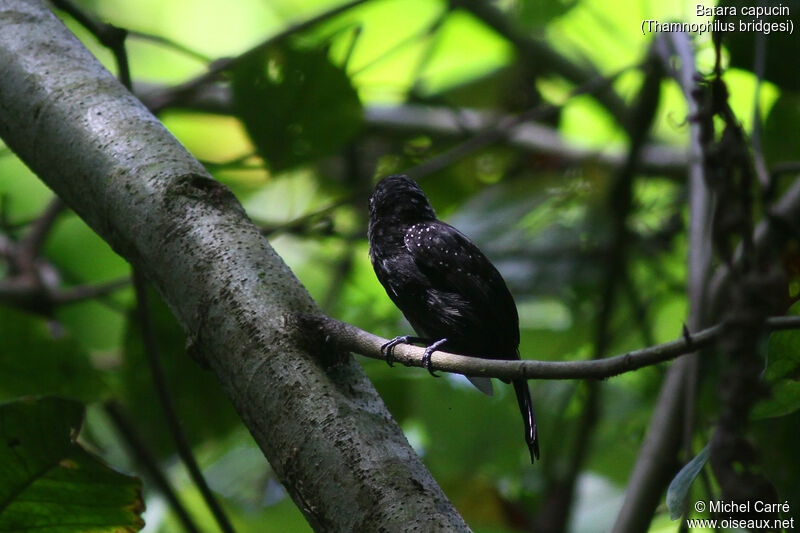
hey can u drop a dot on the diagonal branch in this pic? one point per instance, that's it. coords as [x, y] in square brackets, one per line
[323, 427]
[114, 39]
[28, 249]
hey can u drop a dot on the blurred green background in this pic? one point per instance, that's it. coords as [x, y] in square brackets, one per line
[296, 131]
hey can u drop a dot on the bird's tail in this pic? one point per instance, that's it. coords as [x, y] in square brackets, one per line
[526, 408]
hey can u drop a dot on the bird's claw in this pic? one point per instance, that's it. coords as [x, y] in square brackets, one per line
[388, 348]
[426, 357]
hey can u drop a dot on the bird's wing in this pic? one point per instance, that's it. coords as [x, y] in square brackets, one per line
[456, 266]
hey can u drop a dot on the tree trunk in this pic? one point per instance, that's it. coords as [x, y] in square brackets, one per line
[317, 418]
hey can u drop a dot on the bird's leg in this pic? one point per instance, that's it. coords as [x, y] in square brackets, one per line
[403, 339]
[426, 357]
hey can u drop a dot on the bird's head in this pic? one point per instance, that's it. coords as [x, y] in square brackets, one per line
[398, 198]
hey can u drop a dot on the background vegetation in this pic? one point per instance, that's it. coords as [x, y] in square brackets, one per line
[517, 118]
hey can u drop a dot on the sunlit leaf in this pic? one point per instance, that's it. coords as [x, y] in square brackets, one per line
[537, 14]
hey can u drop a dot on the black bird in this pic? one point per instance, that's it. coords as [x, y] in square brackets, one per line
[449, 292]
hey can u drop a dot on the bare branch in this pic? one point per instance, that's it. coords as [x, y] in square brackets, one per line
[350, 338]
[29, 248]
[109, 36]
[169, 43]
[87, 291]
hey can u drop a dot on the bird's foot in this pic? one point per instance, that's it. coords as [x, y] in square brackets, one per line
[426, 357]
[388, 348]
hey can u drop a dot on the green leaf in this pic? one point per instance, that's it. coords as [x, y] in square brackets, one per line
[539, 14]
[679, 487]
[783, 352]
[35, 361]
[49, 483]
[784, 399]
[782, 372]
[297, 106]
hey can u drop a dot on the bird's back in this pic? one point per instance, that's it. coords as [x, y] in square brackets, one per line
[447, 288]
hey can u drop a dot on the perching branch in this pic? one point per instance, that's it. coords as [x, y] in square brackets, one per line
[348, 337]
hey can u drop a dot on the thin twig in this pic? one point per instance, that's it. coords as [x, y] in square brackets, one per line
[701, 207]
[88, 291]
[237, 163]
[527, 136]
[350, 338]
[341, 272]
[401, 45]
[109, 36]
[165, 399]
[639, 309]
[785, 167]
[194, 54]
[145, 457]
[443, 121]
[29, 248]
[304, 220]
